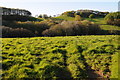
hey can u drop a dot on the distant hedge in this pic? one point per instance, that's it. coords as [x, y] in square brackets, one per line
[113, 18]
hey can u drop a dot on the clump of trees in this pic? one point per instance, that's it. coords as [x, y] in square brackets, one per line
[17, 32]
[35, 27]
[12, 11]
[73, 28]
[85, 13]
[45, 16]
[113, 18]
[11, 14]
[69, 13]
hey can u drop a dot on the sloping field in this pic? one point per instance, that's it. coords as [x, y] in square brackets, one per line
[60, 57]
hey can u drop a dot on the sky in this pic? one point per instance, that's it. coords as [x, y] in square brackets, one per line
[54, 7]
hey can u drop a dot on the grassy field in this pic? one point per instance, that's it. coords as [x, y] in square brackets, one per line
[96, 20]
[61, 57]
[103, 24]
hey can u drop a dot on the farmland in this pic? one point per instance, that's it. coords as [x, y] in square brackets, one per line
[61, 57]
[82, 44]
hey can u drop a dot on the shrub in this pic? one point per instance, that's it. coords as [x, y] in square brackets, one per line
[16, 32]
[69, 13]
[35, 27]
[91, 16]
[72, 28]
[55, 30]
[113, 18]
[78, 18]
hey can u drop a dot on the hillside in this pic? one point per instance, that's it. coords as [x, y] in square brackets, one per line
[99, 21]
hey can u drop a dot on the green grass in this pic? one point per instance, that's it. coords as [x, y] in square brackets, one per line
[42, 19]
[51, 57]
[113, 67]
[96, 20]
[64, 17]
[103, 24]
[109, 27]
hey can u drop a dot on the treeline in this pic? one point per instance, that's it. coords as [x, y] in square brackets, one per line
[85, 13]
[11, 14]
[51, 28]
[13, 11]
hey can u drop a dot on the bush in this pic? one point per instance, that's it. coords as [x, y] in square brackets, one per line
[78, 18]
[73, 28]
[17, 32]
[113, 18]
[35, 27]
[91, 16]
[69, 13]
[56, 30]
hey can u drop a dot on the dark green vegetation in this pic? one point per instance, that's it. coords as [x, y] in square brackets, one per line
[61, 57]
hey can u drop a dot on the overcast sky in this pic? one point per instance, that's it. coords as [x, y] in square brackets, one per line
[53, 7]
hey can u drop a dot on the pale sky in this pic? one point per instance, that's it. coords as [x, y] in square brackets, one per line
[59, 0]
[53, 7]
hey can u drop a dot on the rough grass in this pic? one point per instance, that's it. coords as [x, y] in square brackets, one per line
[97, 20]
[103, 24]
[75, 55]
[109, 27]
